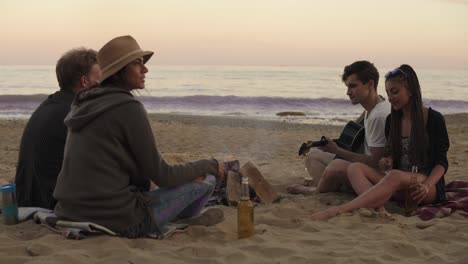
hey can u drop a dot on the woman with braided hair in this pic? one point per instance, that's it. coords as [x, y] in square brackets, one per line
[416, 138]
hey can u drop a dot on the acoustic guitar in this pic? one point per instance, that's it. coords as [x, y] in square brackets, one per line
[351, 138]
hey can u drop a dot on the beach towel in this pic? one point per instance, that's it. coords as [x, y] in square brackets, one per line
[457, 200]
[81, 230]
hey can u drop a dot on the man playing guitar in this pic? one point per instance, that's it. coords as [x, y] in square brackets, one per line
[327, 164]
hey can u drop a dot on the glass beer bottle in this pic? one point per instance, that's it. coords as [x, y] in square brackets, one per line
[245, 212]
[308, 180]
[410, 204]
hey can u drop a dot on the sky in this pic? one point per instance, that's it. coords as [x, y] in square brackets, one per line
[422, 33]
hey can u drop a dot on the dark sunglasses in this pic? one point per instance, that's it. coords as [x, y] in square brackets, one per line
[395, 71]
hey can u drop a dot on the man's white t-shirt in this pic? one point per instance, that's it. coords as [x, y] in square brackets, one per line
[374, 125]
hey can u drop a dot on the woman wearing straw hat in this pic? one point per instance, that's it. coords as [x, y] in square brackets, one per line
[111, 157]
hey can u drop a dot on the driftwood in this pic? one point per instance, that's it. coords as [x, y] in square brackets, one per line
[233, 188]
[257, 182]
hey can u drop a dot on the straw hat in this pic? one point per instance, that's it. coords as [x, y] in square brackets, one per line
[119, 52]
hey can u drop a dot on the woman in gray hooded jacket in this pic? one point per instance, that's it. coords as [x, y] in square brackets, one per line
[111, 157]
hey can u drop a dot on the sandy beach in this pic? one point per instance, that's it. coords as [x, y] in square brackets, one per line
[284, 232]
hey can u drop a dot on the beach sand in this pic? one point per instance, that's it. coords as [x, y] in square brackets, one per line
[284, 232]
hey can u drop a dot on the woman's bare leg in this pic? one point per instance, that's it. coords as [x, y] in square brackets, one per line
[376, 196]
[362, 177]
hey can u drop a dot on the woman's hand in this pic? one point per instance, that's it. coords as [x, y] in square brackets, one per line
[420, 192]
[330, 147]
[385, 163]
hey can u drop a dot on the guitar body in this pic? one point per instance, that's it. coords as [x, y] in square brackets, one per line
[351, 138]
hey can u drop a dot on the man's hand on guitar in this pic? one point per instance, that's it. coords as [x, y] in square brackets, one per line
[351, 139]
[330, 147]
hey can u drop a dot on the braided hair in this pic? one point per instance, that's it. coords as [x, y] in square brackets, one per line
[418, 139]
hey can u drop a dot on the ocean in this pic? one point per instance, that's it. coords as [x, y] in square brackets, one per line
[243, 91]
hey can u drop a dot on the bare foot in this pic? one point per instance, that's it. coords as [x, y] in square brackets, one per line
[310, 183]
[383, 212]
[324, 215]
[300, 189]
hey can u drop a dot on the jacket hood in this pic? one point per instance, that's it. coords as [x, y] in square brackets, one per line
[93, 102]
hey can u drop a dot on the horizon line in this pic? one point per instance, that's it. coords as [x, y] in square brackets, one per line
[458, 68]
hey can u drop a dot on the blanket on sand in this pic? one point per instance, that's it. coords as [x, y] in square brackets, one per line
[457, 200]
[81, 230]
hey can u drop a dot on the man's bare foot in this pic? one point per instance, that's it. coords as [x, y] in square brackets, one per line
[300, 189]
[324, 215]
[310, 183]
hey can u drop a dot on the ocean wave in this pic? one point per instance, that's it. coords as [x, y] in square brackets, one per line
[235, 102]
[22, 98]
[232, 102]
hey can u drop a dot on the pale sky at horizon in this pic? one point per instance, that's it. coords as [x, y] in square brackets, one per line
[422, 33]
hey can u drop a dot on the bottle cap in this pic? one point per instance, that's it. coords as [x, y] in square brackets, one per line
[8, 188]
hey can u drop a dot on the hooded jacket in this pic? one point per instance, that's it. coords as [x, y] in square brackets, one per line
[110, 158]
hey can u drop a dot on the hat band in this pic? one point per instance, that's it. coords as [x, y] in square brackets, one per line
[121, 59]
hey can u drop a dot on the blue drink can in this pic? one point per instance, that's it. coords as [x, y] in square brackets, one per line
[9, 206]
